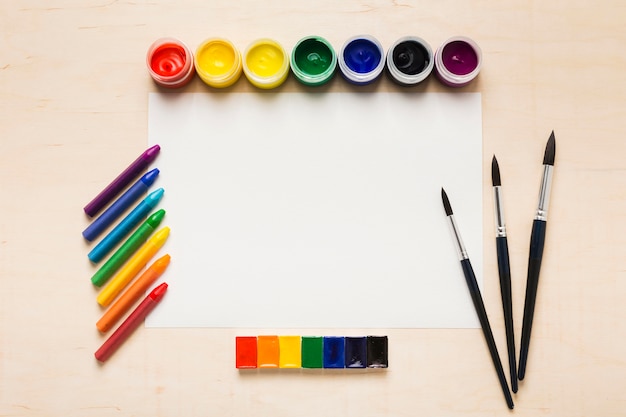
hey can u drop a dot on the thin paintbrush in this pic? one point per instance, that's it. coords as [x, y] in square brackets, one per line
[537, 239]
[504, 270]
[477, 299]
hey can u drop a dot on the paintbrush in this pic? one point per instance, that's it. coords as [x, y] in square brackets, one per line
[477, 299]
[504, 270]
[537, 239]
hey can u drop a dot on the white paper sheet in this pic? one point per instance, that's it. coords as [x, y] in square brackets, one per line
[317, 210]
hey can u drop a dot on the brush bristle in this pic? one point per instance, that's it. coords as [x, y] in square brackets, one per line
[446, 203]
[495, 172]
[548, 156]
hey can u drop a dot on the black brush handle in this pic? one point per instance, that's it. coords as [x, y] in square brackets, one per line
[504, 270]
[537, 239]
[477, 299]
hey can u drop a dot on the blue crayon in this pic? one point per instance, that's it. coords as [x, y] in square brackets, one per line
[126, 200]
[125, 226]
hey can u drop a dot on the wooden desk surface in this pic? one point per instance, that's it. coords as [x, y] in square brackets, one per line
[73, 113]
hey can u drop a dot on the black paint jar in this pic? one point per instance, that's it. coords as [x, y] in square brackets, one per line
[410, 60]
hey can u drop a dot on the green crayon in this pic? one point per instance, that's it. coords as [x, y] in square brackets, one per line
[128, 248]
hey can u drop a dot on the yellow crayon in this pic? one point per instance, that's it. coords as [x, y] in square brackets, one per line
[132, 268]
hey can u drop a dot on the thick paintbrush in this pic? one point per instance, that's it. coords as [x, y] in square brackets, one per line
[537, 239]
[477, 299]
[504, 270]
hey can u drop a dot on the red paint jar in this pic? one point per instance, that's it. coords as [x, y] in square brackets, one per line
[170, 63]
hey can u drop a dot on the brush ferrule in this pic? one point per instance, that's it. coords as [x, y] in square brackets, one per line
[460, 247]
[544, 193]
[499, 212]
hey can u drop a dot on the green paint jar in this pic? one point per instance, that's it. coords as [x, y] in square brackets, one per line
[313, 61]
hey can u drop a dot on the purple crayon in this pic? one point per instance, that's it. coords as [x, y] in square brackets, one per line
[122, 180]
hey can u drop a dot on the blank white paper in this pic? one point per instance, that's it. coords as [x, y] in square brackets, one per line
[317, 210]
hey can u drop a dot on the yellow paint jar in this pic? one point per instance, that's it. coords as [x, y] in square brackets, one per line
[218, 62]
[265, 63]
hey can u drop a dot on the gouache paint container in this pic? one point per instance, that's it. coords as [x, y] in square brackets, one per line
[265, 64]
[410, 60]
[361, 60]
[170, 63]
[313, 61]
[458, 61]
[218, 62]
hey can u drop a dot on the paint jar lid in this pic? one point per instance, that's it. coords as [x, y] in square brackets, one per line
[265, 63]
[410, 60]
[218, 62]
[362, 59]
[170, 63]
[313, 61]
[458, 61]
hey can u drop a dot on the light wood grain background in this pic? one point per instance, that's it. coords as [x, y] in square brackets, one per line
[73, 113]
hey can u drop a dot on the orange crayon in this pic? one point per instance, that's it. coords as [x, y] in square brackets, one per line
[125, 302]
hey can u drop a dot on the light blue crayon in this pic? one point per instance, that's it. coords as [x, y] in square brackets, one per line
[118, 207]
[125, 226]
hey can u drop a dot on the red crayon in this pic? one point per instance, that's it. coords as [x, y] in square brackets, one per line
[131, 323]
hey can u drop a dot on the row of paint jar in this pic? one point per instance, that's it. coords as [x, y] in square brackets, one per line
[313, 61]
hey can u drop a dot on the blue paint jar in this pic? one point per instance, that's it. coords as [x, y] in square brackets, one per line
[362, 59]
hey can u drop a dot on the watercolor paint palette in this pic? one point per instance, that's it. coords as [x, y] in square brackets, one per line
[311, 352]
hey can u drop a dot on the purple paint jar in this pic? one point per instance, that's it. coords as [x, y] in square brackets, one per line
[458, 61]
